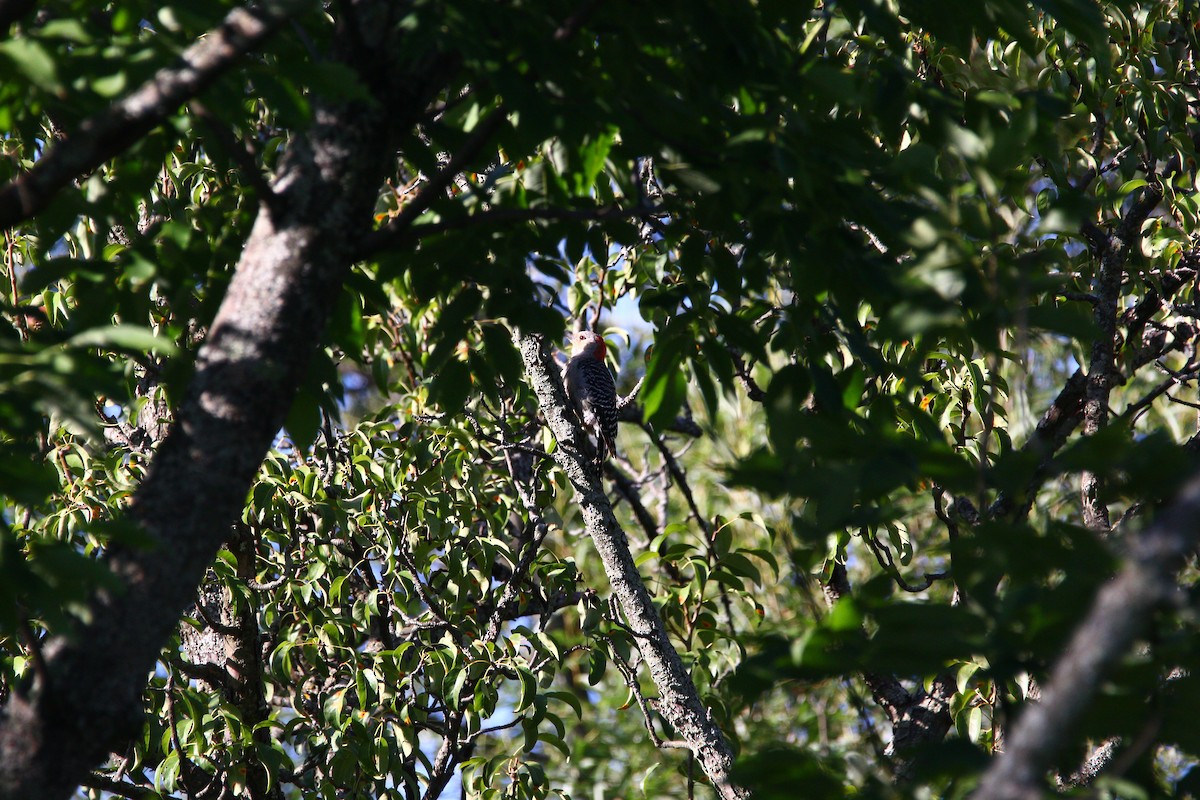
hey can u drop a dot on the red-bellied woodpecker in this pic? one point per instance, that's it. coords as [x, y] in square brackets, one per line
[590, 386]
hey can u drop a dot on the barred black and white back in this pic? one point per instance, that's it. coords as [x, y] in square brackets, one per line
[592, 390]
[598, 404]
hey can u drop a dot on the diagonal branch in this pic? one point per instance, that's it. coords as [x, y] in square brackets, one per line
[400, 226]
[112, 131]
[679, 702]
[886, 690]
[1119, 612]
[918, 718]
[1051, 433]
[123, 789]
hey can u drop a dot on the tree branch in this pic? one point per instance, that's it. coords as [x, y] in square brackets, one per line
[1113, 252]
[112, 131]
[633, 412]
[679, 702]
[920, 717]
[1051, 433]
[258, 348]
[400, 227]
[122, 789]
[887, 691]
[1119, 612]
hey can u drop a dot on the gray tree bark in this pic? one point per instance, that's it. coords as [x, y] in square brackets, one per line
[1119, 612]
[679, 702]
[88, 702]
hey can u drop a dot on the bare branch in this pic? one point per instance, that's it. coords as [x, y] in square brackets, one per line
[218, 627]
[886, 690]
[885, 559]
[633, 393]
[631, 411]
[753, 390]
[920, 717]
[1113, 253]
[114, 130]
[628, 489]
[209, 673]
[680, 480]
[1092, 766]
[122, 789]
[1051, 433]
[446, 759]
[1118, 614]
[680, 703]
[519, 573]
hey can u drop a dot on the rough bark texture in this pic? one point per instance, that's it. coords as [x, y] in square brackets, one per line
[1112, 251]
[679, 702]
[222, 649]
[1119, 612]
[258, 348]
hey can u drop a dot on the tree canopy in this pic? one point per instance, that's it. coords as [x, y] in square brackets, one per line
[901, 300]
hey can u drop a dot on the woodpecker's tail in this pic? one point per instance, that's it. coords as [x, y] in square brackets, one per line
[606, 445]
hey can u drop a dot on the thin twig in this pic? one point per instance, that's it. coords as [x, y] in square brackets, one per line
[219, 627]
[11, 266]
[630, 677]
[883, 555]
[679, 478]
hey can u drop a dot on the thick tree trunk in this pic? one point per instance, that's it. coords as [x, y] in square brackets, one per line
[257, 351]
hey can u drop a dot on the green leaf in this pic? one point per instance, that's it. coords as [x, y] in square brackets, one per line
[528, 689]
[124, 337]
[597, 663]
[643, 785]
[451, 386]
[25, 480]
[774, 773]
[304, 419]
[33, 62]
[665, 387]
[592, 155]
[570, 699]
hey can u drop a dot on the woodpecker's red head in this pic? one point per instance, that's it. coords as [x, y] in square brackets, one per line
[587, 343]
